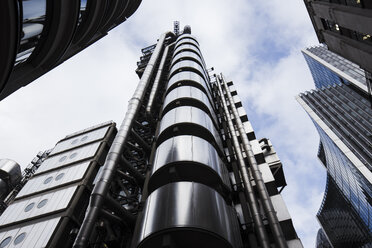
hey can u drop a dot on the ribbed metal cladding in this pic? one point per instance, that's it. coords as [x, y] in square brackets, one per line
[189, 183]
[38, 35]
[348, 114]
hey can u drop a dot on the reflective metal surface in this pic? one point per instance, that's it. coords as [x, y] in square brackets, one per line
[257, 175]
[52, 179]
[176, 80]
[187, 114]
[194, 216]
[263, 238]
[187, 55]
[40, 204]
[80, 140]
[187, 47]
[186, 65]
[184, 36]
[86, 130]
[10, 171]
[83, 8]
[187, 41]
[189, 92]
[188, 158]
[35, 235]
[34, 14]
[69, 157]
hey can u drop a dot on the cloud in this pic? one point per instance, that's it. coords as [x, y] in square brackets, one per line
[254, 43]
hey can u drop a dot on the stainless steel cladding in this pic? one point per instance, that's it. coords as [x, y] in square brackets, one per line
[188, 78]
[54, 179]
[187, 214]
[69, 157]
[53, 202]
[30, 235]
[186, 115]
[10, 175]
[187, 92]
[187, 65]
[41, 204]
[187, 47]
[188, 158]
[189, 185]
[11, 170]
[80, 140]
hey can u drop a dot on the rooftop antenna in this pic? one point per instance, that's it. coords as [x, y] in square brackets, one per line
[176, 28]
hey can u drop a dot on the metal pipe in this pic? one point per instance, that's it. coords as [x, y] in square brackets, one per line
[157, 80]
[248, 188]
[261, 188]
[101, 188]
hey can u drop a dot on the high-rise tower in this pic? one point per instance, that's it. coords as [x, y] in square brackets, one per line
[38, 35]
[184, 170]
[341, 112]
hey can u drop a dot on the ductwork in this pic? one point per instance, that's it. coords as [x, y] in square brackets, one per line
[263, 194]
[248, 188]
[109, 169]
[157, 80]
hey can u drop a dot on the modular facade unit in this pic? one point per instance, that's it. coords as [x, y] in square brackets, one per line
[38, 35]
[341, 112]
[50, 206]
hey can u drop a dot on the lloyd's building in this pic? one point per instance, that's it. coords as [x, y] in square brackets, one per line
[184, 169]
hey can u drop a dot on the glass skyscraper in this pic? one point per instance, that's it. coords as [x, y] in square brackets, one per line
[340, 110]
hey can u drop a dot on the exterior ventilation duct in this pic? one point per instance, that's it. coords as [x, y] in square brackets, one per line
[10, 175]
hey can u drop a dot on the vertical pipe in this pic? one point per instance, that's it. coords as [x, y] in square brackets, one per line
[262, 191]
[253, 205]
[101, 188]
[157, 80]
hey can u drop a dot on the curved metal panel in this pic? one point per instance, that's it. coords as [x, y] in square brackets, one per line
[89, 20]
[112, 10]
[189, 92]
[33, 22]
[186, 47]
[187, 41]
[185, 36]
[187, 55]
[187, 65]
[8, 46]
[177, 78]
[194, 214]
[61, 29]
[191, 115]
[10, 171]
[188, 158]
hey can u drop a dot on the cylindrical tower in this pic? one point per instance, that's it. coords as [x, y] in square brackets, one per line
[189, 185]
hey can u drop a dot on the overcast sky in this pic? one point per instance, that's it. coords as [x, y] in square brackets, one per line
[256, 44]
